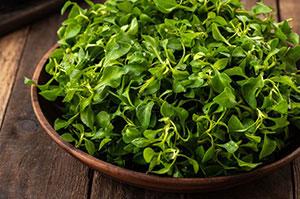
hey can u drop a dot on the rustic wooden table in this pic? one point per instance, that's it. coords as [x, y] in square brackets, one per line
[32, 166]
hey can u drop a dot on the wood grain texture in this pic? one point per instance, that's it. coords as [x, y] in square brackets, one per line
[27, 14]
[277, 185]
[106, 187]
[248, 3]
[31, 165]
[272, 3]
[160, 195]
[290, 9]
[10, 54]
[296, 175]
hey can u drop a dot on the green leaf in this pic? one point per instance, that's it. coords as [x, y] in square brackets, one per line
[234, 124]
[151, 44]
[59, 124]
[151, 134]
[279, 123]
[165, 6]
[220, 81]
[164, 170]
[194, 163]
[29, 82]
[294, 38]
[182, 114]
[261, 8]
[112, 76]
[226, 99]
[294, 53]
[67, 137]
[220, 64]
[134, 27]
[143, 113]
[52, 93]
[65, 7]
[230, 146]
[268, 148]
[250, 89]
[72, 30]
[103, 119]
[104, 142]
[253, 138]
[246, 165]
[89, 2]
[235, 71]
[148, 154]
[89, 146]
[281, 35]
[130, 134]
[141, 142]
[209, 154]
[281, 107]
[286, 80]
[217, 34]
[85, 102]
[87, 117]
[167, 110]
[116, 47]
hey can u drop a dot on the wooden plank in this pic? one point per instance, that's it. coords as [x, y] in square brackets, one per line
[296, 175]
[106, 187]
[290, 9]
[271, 3]
[160, 195]
[31, 165]
[275, 186]
[11, 50]
[26, 14]
[248, 3]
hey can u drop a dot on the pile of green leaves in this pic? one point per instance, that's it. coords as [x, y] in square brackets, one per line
[187, 88]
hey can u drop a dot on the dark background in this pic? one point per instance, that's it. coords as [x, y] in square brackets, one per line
[17, 13]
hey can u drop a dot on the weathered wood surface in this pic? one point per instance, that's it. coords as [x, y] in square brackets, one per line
[26, 13]
[32, 166]
[11, 50]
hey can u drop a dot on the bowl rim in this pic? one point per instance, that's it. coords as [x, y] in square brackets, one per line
[142, 179]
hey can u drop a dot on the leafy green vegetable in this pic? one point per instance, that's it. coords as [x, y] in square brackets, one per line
[179, 88]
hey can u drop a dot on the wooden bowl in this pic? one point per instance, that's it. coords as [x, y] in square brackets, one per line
[44, 112]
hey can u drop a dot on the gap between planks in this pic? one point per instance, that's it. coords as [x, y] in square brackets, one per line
[12, 47]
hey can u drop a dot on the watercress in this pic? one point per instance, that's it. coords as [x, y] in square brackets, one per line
[179, 88]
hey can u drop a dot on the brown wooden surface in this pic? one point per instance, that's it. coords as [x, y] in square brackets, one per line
[11, 50]
[32, 166]
[26, 13]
